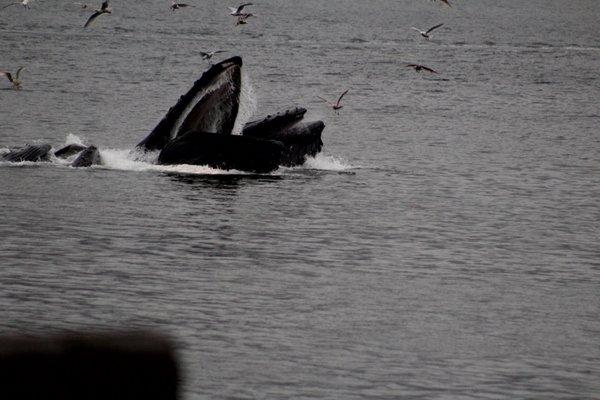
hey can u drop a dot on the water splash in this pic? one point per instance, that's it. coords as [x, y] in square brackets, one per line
[126, 160]
[131, 160]
[327, 162]
[73, 139]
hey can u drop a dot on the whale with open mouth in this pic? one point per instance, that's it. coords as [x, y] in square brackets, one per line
[199, 130]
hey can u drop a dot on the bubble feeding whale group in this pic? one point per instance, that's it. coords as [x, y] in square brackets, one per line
[198, 130]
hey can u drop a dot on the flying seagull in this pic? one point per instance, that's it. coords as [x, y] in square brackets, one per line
[335, 106]
[16, 82]
[419, 67]
[24, 3]
[207, 55]
[176, 6]
[241, 20]
[445, 2]
[236, 12]
[426, 34]
[104, 9]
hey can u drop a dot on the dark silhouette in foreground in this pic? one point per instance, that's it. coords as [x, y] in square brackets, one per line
[94, 366]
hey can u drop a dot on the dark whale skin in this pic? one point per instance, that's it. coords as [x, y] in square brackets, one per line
[223, 152]
[36, 152]
[69, 150]
[88, 157]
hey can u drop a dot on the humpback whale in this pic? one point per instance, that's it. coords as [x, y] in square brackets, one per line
[300, 139]
[198, 130]
[36, 152]
[69, 150]
[88, 157]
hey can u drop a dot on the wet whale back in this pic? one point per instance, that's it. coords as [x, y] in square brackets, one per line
[223, 152]
[69, 150]
[37, 152]
[270, 125]
[88, 157]
[300, 139]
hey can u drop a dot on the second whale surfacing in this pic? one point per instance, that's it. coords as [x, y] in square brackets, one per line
[198, 129]
[88, 157]
[33, 153]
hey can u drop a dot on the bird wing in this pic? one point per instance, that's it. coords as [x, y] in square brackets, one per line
[411, 65]
[92, 18]
[446, 2]
[8, 5]
[233, 10]
[241, 6]
[218, 51]
[8, 75]
[434, 27]
[19, 72]
[104, 6]
[428, 69]
[416, 29]
[325, 100]
[342, 95]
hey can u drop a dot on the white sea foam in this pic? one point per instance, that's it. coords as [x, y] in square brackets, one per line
[126, 160]
[73, 139]
[327, 162]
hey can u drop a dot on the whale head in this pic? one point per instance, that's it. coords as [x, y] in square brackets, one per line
[211, 105]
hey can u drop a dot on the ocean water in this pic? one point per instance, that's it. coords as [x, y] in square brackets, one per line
[445, 244]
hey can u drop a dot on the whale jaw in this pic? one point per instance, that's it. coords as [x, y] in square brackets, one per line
[211, 105]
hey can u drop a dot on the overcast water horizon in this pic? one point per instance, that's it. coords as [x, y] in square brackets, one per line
[444, 244]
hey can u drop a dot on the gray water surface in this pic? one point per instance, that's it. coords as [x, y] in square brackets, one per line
[443, 246]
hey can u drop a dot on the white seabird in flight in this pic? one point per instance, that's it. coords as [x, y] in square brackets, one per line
[207, 55]
[104, 9]
[241, 19]
[176, 6]
[236, 12]
[24, 3]
[16, 82]
[419, 68]
[426, 34]
[337, 105]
